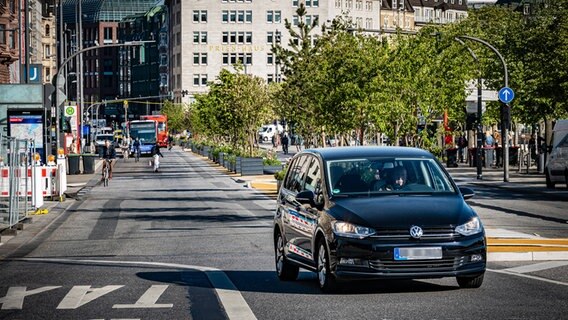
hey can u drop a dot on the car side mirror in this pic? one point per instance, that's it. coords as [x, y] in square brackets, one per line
[467, 193]
[306, 197]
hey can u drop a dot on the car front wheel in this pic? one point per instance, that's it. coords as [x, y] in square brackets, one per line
[470, 282]
[284, 270]
[549, 183]
[326, 280]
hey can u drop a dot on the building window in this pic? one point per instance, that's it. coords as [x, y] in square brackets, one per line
[2, 34]
[234, 16]
[294, 3]
[338, 3]
[234, 58]
[273, 37]
[199, 58]
[178, 38]
[199, 16]
[200, 37]
[199, 80]
[312, 3]
[47, 51]
[178, 59]
[47, 30]
[270, 59]
[107, 34]
[273, 16]
[369, 5]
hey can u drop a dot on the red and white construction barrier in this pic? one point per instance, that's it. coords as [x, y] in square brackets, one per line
[39, 181]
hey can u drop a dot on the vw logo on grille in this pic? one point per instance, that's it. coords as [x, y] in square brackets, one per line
[416, 232]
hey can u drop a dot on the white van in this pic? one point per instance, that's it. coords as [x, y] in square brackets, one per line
[267, 131]
[557, 165]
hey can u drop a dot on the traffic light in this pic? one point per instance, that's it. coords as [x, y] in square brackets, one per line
[470, 121]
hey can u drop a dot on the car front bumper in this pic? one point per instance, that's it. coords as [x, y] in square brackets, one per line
[370, 258]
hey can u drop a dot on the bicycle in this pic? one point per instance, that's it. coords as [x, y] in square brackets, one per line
[136, 155]
[106, 172]
[125, 153]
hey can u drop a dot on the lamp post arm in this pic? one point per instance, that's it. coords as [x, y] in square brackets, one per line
[62, 65]
[494, 50]
[504, 121]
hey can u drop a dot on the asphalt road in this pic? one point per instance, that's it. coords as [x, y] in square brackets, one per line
[191, 243]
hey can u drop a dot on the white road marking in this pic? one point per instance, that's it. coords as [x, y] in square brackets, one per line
[148, 299]
[14, 298]
[528, 276]
[81, 295]
[538, 266]
[231, 299]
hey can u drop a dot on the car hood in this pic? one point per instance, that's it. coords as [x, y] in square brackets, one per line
[396, 211]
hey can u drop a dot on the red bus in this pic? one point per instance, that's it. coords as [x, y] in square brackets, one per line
[162, 121]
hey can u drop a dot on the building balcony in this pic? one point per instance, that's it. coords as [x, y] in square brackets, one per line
[426, 20]
[7, 55]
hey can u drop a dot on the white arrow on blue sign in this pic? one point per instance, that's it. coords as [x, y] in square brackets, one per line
[506, 94]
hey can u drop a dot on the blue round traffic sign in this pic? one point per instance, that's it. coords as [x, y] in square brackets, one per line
[506, 94]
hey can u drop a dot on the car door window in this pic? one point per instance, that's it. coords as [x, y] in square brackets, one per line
[295, 180]
[313, 176]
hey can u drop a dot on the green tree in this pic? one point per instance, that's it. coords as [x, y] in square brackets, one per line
[177, 114]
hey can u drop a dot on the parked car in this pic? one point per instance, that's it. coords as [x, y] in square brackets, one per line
[556, 168]
[267, 131]
[375, 213]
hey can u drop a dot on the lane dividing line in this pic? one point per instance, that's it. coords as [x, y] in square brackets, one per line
[527, 276]
[230, 297]
[538, 267]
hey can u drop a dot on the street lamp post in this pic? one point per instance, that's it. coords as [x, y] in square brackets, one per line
[64, 64]
[504, 108]
[479, 112]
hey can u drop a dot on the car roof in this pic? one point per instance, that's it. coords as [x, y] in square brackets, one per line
[339, 153]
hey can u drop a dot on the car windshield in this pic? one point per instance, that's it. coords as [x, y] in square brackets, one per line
[393, 175]
[102, 138]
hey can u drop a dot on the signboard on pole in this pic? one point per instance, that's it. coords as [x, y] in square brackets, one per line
[506, 95]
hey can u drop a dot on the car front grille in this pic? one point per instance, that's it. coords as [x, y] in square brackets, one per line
[446, 264]
[429, 234]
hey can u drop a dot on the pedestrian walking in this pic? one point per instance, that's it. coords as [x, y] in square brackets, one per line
[285, 141]
[462, 145]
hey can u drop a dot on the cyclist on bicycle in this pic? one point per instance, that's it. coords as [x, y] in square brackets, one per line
[109, 154]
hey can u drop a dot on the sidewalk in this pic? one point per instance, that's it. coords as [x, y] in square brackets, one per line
[50, 212]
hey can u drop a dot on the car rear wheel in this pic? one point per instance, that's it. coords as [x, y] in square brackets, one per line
[284, 270]
[549, 183]
[326, 280]
[470, 282]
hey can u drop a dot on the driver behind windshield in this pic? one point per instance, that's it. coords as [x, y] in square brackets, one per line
[397, 180]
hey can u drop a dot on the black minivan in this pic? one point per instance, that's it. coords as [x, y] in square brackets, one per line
[377, 213]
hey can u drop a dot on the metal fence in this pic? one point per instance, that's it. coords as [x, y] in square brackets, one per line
[16, 161]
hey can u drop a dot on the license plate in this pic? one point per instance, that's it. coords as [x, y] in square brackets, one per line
[424, 253]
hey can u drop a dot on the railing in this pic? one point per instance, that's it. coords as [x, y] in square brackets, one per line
[15, 167]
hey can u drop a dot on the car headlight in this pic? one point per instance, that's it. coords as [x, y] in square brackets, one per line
[346, 229]
[472, 227]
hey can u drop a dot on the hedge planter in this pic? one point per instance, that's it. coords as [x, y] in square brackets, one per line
[205, 151]
[225, 163]
[220, 157]
[272, 169]
[251, 166]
